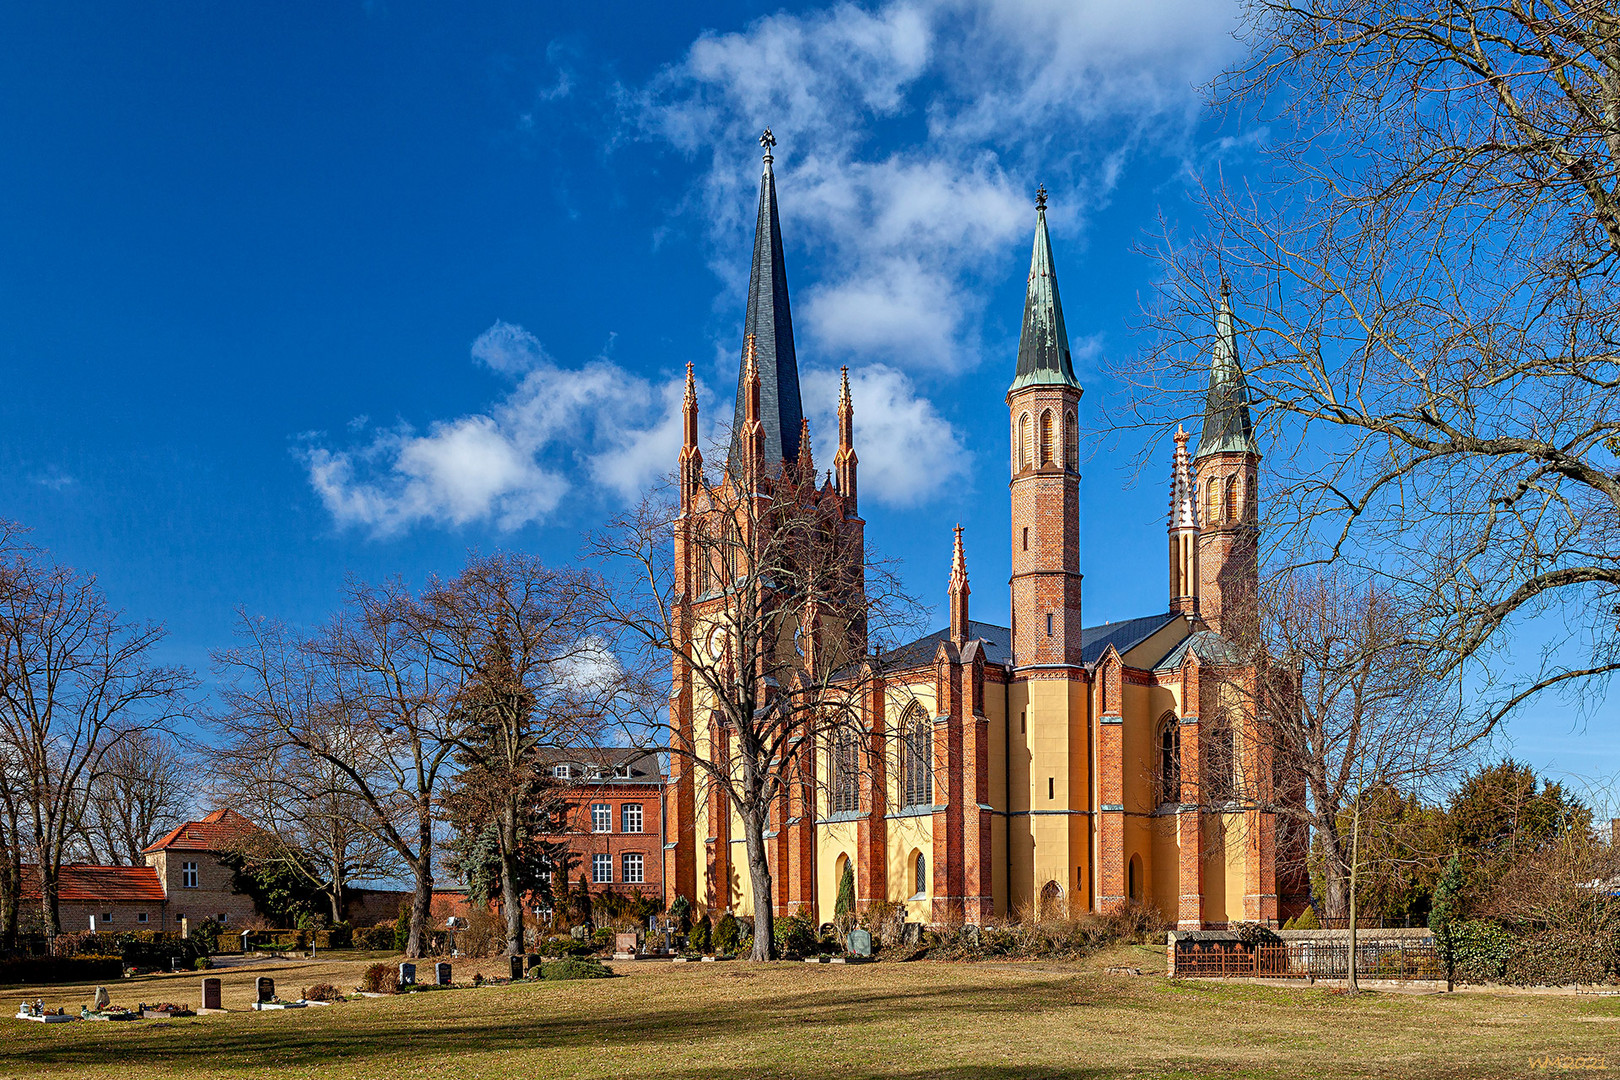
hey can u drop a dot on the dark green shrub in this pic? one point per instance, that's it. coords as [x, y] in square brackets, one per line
[576, 968]
[402, 927]
[844, 907]
[795, 937]
[1560, 958]
[202, 963]
[681, 912]
[1480, 950]
[702, 938]
[727, 935]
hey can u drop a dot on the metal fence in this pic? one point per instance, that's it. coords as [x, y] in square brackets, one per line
[1309, 960]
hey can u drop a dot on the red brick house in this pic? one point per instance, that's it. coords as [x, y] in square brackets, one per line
[615, 822]
[115, 898]
[197, 884]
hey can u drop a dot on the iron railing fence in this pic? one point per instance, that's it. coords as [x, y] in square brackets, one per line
[1379, 959]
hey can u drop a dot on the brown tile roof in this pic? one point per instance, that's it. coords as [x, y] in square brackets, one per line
[79, 884]
[212, 833]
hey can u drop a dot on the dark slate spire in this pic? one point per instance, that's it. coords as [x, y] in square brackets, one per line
[1043, 347]
[1228, 427]
[770, 323]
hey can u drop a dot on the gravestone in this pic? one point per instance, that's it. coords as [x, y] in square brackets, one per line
[210, 993]
[441, 973]
[970, 934]
[577, 933]
[625, 943]
[517, 967]
[858, 942]
[531, 962]
[267, 989]
[911, 933]
[102, 1000]
[407, 974]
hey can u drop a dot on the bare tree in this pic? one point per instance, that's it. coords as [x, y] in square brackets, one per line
[76, 680]
[1424, 266]
[761, 602]
[367, 694]
[143, 789]
[1348, 711]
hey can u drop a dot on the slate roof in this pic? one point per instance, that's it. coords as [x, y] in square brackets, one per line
[1211, 647]
[80, 884]
[212, 833]
[1228, 426]
[770, 320]
[644, 765]
[1123, 636]
[1043, 344]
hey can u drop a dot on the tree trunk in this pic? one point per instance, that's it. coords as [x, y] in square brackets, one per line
[511, 902]
[1355, 858]
[1335, 882]
[759, 878]
[422, 901]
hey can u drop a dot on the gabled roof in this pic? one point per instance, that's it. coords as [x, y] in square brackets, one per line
[1094, 640]
[770, 322]
[80, 884]
[1211, 648]
[1228, 426]
[997, 647]
[212, 833]
[1123, 636]
[644, 765]
[1043, 344]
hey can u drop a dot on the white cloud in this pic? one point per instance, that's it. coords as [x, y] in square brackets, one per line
[514, 463]
[912, 134]
[907, 451]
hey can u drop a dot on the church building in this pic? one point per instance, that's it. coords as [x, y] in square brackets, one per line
[1045, 763]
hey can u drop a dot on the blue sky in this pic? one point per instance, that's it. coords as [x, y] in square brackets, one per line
[300, 292]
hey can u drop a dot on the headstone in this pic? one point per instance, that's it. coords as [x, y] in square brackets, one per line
[625, 943]
[577, 933]
[858, 942]
[102, 1000]
[970, 934]
[442, 974]
[210, 993]
[531, 962]
[267, 989]
[407, 974]
[911, 933]
[517, 967]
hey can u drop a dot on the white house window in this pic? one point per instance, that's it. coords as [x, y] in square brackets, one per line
[601, 817]
[140, 916]
[602, 869]
[597, 772]
[622, 772]
[630, 818]
[188, 875]
[633, 869]
[560, 771]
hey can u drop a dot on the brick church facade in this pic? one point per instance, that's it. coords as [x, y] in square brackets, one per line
[1048, 762]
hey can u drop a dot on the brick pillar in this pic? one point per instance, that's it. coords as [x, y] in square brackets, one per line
[1111, 885]
[945, 869]
[719, 890]
[682, 802]
[872, 831]
[801, 829]
[1189, 834]
[978, 901]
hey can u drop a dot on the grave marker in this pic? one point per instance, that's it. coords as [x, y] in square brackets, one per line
[517, 967]
[267, 989]
[210, 993]
[442, 974]
[858, 942]
[407, 974]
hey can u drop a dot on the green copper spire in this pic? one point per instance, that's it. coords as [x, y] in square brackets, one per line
[1228, 427]
[1043, 346]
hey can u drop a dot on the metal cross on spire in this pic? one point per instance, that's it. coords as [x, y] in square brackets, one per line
[1040, 196]
[767, 140]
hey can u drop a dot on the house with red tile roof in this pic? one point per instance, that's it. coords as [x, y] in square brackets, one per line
[104, 897]
[197, 884]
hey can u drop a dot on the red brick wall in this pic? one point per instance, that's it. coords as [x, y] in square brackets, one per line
[582, 843]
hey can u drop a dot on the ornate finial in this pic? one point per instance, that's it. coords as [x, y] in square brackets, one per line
[767, 141]
[1226, 287]
[843, 386]
[1040, 197]
[1181, 433]
[691, 386]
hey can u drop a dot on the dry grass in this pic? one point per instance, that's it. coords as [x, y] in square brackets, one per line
[1003, 1021]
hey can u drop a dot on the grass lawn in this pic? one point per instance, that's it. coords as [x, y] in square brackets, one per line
[736, 1020]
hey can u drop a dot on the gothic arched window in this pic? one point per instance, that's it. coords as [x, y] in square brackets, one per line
[1025, 438]
[1046, 437]
[730, 553]
[1217, 760]
[1212, 502]
[921, 875]
[1231, 499]
[846, 779]
[916, 759]
[1071, 442]
[1169, 760]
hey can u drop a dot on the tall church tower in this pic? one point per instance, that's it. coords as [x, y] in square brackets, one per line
[1228, 468]
[1043, 402]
